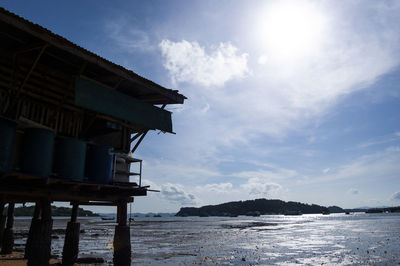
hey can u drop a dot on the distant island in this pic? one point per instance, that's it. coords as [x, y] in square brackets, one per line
[272, 206]
[55, 211]
[257, 207]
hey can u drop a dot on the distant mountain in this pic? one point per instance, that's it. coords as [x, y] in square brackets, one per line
[249, 207]
[367, 208]
[375, 209]
[55, 211]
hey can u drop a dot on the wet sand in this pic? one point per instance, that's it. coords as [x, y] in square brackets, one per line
[360, 239]
[17, 259]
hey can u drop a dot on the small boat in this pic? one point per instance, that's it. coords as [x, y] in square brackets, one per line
[347, 213]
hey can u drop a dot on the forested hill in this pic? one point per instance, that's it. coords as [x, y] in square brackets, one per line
[263, 206]
[55, 211]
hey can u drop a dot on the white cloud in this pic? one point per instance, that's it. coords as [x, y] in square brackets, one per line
[396, 196]
[282, 97]
[205, 108]
[221, 188]
[326, 170]
[354, 191]
[381, 140]
[262, 60]
[172, 171]
[177, 194]
[371, 166]
[274, 174]
[129, 38]
[276, 100]
[189, 62]
[257, 187]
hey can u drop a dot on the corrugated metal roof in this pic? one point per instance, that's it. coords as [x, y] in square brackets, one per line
[64, 44]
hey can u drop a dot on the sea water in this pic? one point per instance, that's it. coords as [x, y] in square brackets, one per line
[339, 239]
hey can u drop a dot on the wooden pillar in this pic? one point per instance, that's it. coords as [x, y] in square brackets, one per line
[8, 237]
[122, 237]
[71, 243]
[41, 248]
[34, 232]
[2, 222]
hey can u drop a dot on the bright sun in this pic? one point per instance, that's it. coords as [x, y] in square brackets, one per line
[288, 31]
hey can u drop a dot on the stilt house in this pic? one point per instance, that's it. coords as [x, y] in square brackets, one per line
[70, 122]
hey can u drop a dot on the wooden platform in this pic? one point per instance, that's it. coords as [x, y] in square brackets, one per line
[17, 187]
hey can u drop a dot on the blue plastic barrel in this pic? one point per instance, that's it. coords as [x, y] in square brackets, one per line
[37, 155]
[99, 164]
[7, 134]
[69, 158]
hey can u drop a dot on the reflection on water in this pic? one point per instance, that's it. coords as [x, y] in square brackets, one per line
[266, 240]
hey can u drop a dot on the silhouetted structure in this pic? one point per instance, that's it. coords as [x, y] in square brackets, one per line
[70, 121]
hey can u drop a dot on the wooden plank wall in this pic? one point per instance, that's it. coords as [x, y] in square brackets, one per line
[38, 93]
[62, 121]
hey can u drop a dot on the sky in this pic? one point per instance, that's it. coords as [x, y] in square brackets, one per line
[292, 100]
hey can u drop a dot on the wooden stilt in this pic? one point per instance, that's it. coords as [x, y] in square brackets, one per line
[122, 237]
[34, 232]
[8, 237]
[71, 243]
[2, 222]
[41, 247]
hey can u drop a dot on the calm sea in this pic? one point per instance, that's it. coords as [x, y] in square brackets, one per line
[336, 239]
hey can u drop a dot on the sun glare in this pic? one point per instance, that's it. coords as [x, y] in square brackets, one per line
[288, 31]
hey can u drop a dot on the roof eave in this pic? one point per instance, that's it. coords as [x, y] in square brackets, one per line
[60, 42]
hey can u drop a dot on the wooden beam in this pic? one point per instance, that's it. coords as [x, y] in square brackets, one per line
[122, 242]
[17, 187]
[65, 45]
[45, 86]
[28, 48]
[34, 232]
[35, 195]
[32, 68]
[2, 222]
[42, 248]
[8, 237]
[103, 203]
[74, 213]
[118, 83]
[21, 87]
[88, 125]
[139, 141]
[136, 136]
[10, 215]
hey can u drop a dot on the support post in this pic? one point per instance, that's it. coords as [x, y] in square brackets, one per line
[42, 247]
[34, 232]
[2, 222]
[122, 237]
[71, 243]
[8, 238]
